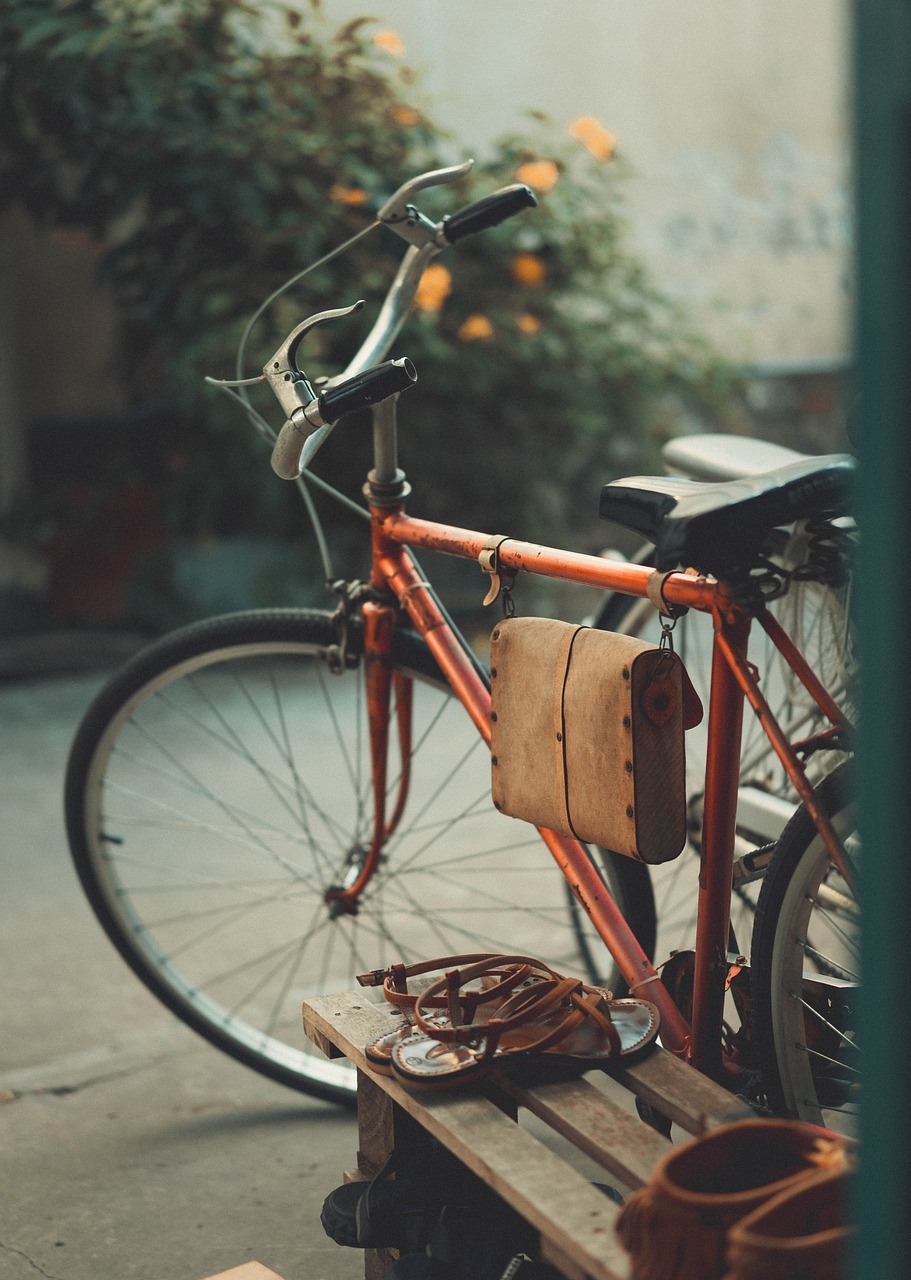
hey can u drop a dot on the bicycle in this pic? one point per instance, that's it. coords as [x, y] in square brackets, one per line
[233, 884]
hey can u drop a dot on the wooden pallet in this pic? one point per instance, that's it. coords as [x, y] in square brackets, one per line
[247, 1271]
[574, 1221]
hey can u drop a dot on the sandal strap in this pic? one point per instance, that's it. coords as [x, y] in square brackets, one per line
[394, 979]
[543, 998]
[511, 970]
[399, 973]
[561, 1004]
[544, 1002]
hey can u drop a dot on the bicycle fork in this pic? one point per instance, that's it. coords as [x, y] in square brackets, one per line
[381, 684]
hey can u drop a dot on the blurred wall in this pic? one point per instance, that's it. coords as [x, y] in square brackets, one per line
[733, 114]
[57, 339]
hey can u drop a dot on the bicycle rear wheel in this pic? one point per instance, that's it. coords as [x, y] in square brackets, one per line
[806, 968]
[220, 784]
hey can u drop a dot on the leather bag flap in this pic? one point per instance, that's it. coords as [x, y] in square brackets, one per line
[587, 735]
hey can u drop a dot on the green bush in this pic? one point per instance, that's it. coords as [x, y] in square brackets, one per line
[214, 147]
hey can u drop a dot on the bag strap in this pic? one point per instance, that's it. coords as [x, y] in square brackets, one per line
[561, 674]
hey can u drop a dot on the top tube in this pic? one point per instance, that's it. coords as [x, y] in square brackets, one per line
[678, 589]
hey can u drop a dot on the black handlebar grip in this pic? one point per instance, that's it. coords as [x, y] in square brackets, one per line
[369, 387]
[488, 212]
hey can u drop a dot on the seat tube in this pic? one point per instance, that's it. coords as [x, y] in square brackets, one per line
[717, 861]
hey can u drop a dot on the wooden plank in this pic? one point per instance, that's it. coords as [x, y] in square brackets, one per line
[688, 1098]
[556, 1199]
[345, 1022]
[595, 1125]
[247, 1271]
[374, 1126]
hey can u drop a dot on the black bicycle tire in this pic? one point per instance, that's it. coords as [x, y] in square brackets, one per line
[836, 795]
[311, 627]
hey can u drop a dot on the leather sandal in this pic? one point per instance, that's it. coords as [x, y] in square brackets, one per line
[499, 978]
[555, 1023]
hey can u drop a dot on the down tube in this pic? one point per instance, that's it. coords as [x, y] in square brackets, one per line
[581, 875]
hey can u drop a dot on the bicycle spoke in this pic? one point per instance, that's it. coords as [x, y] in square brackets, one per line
[238, 787]
[353, 768]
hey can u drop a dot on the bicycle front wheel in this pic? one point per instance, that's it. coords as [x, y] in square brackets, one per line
[806, 968]
[220, 785]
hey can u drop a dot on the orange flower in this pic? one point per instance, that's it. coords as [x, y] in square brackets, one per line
[528, 269]
[434, 288]
[528, 324]
[390, 42]
[347, 195]
[540, 175]
[476, 328]
[594, 137]
[405, 116]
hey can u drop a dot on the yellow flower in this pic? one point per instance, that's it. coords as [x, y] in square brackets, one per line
[347, 195]
[528, 269]
[528, 324]
[594, 137]
[476, 328]
[434, 288]
[405, 116]
[540, 175]
[390, 42]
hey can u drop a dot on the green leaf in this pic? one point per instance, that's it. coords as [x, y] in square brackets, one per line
[41, 31]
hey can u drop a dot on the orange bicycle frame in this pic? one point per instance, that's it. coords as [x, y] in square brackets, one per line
[397, 586]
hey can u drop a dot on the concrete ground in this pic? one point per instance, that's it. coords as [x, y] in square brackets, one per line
[128, 1147]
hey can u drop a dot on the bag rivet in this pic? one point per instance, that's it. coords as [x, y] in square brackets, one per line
[493, 673]
[629, 810]
[626, 722]
[493, 759]
[493, 715]
[559, 737]
[628, 766]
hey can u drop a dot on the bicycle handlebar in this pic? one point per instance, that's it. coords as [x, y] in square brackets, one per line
[307, 427]
[325, 409]
[487, 212]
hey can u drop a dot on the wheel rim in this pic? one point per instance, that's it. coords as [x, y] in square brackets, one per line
[814, 987]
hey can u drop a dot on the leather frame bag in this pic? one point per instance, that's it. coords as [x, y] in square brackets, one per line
[587, 735]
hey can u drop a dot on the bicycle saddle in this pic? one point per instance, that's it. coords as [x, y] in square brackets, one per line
[718, 526]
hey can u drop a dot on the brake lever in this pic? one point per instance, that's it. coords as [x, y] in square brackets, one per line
[290, 384]
[401, 216]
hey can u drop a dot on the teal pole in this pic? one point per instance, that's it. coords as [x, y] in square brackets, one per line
[882, 67]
